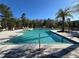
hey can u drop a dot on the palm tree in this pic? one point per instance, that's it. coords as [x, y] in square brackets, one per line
[6, 15]
[63, 14]
[75, 8]
[23, 19]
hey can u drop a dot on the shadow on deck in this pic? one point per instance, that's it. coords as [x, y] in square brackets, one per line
[20, 52]
[62, 52]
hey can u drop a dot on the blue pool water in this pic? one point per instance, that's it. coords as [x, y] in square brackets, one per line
[33, 36]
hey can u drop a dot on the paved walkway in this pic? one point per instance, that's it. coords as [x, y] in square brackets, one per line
[32, 51]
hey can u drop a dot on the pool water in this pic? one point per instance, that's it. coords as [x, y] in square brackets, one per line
[33, 36]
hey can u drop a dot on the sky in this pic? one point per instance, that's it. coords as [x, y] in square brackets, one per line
[37, 9]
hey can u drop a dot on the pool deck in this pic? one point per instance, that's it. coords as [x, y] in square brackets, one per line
[6, 35]
[67, 35]
[31, 50]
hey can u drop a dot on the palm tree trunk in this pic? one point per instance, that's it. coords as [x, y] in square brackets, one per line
[63, 20]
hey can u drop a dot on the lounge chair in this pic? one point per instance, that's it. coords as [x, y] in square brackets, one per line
[75, 34]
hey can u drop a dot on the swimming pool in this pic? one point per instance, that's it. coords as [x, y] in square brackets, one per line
[33, 36]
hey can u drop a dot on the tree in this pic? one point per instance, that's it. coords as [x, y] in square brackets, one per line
[23, 19]
[63, 14]
[75, 8]
[6, 15]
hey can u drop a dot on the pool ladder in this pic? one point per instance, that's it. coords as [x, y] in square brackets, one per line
[39, 41]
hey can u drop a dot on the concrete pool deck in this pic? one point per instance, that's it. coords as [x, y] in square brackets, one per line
[67, 35]
[30, 50]
[6, 35]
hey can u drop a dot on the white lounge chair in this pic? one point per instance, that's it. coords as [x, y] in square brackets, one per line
[75, 34]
